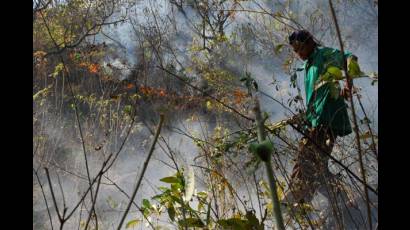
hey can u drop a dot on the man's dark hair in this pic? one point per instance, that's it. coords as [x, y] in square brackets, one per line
[301, 36]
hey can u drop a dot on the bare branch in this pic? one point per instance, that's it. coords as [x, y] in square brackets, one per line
[44, 197]
[53, 196]
[349, 82]
[143, 171]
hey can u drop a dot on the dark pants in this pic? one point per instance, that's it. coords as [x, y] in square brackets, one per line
[311, 167]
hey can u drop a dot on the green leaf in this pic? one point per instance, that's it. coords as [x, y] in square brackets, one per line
[277, 125]
[353, 68]
[252, 218]
[57, 70]
[77, 56]
[200, 206]
[209, 105]
[335, 72]
[307, 208]
[170, 180]
[132, 223]
[255, 85]
[208, 214]
[326, 77]
[278, 48]
[280, 189]
[128, 109]
[176, 186]
[145, 212]
[171, 212]
[191, 222]
[202, 194]
[158, 197]
[42, 92]
[164, 189]
[176, 200]
[233, 223]
[146, 203]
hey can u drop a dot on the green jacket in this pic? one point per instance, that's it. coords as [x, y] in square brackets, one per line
[322, 108]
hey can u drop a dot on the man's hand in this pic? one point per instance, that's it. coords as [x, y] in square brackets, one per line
[345, 93]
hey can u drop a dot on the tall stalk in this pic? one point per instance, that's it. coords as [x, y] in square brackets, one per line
[355, 126]
[268, 165]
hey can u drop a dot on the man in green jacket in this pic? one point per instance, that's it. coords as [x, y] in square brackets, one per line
[325, 119]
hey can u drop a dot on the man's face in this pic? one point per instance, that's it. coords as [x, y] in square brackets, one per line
[303, 50]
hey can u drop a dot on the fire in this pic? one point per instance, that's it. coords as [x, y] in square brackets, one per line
[239, 95]
[94, 68]
[129, 86]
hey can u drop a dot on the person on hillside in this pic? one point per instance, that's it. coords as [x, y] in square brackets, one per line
[325, 119]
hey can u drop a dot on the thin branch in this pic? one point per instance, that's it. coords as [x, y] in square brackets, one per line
[45, 199]
[257, 194]
[206, 93]
[62, 194]
[373, 145]
[53, 196]
[349, 82]
[79, 217]
[122, 144]
[96, 28]
[75, 106]
[233, 192]
[102, 171]
[143, 172]
[135, 204]
[112, 39]
[93, 205]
